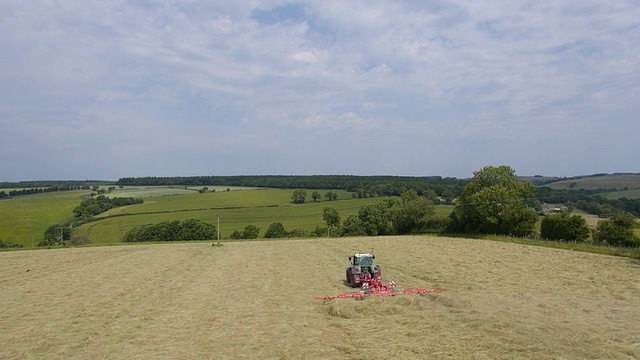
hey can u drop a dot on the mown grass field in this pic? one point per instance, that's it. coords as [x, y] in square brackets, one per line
[257, 300]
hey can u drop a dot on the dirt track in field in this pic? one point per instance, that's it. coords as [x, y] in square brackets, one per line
[258, 300]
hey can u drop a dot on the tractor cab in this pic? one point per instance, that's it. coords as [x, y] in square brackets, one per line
[362, 268]
[362, 259]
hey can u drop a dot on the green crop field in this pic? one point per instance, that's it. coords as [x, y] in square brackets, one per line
[149, 191]
[25, 218]
[236, 210]
[215, 200]
[304, 217]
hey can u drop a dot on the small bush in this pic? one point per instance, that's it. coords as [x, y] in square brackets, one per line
[320, 231]
[249, 232]
[77, 240]
[297, 233]
[276, 230]
[617, 231]
[564, 227]
[9, 244]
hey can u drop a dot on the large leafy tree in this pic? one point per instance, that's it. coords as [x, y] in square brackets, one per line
[375, 219]
[330, 195]
[56, 234]
[299, 196]
[352, 226]
[411, 213]
[493, 203]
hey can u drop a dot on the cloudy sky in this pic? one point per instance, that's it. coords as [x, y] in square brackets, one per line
[110, 89]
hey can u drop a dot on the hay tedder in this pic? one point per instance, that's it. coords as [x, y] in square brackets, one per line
[363, 272]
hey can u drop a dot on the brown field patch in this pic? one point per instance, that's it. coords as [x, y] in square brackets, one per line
[258, 300]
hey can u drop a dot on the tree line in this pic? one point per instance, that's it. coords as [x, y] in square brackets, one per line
[362, 186]
[435, 188]
[56, 188]
[493, 202]
[440, 190]
[50, 183]
[299, 196]
[95, 205]
[190, 229]
[31, 191]
[61, 234]
[588, 200]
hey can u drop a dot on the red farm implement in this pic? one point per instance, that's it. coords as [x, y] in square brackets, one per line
[364, 273]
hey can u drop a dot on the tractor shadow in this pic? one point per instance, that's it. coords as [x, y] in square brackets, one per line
[347, 284]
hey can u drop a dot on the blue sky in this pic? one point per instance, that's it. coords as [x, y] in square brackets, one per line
[110, 89]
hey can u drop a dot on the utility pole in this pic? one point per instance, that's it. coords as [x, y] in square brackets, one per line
[218, 229]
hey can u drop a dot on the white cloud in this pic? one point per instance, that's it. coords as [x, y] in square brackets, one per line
[454, 70]
[349, 120]
[308, 56]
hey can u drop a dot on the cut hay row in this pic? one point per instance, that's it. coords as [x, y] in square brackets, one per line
[258, 300]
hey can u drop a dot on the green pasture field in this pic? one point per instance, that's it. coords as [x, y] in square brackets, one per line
[25, 218]
[219, 200]
[629, 194]
[218, 188]
[444, 210]
[148, 191]
[619, 181]
[151, 191]
[237, 209]
[303, 217]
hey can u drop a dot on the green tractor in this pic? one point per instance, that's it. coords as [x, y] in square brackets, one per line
[362, 270]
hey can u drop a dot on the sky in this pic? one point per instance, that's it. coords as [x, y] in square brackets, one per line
[102, 90]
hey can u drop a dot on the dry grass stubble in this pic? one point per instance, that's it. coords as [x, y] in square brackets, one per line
[257, 300]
